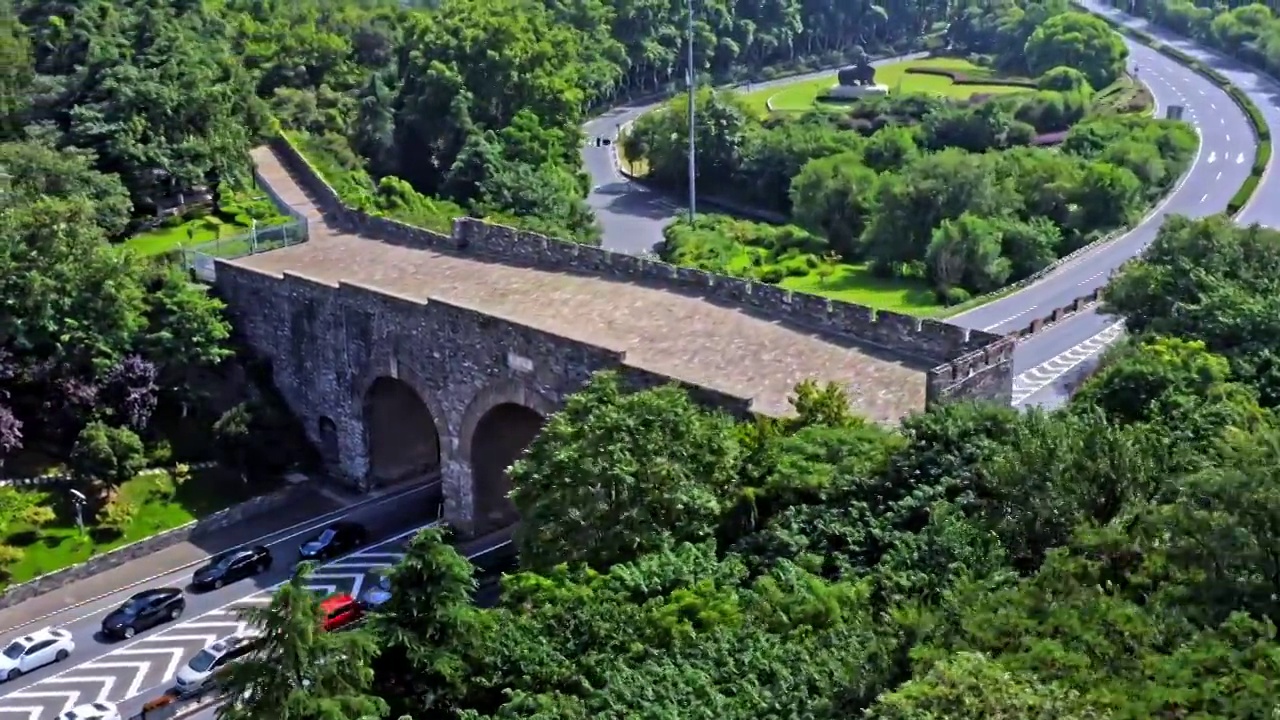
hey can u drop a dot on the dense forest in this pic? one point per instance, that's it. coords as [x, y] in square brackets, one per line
[425, 113]
[115, 115]
[1116, 558]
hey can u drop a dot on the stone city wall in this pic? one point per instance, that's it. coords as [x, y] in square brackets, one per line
[923, 338]
[261, 505]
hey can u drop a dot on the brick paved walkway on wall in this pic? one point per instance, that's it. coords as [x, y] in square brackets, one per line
[675, 335]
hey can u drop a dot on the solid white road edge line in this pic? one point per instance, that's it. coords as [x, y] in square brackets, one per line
[1154, 211]
[1090, 346]
[311, 524]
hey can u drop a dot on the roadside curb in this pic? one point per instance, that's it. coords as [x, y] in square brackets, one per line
[1257, 121]
[318, 518]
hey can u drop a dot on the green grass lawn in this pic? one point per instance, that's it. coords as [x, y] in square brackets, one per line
[856, 284]
[803, 95]
[161, 506]
[191, 232]
[722, 251]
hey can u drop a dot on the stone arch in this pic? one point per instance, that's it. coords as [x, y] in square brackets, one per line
[328, 434]
[401, 433]
[497, 426]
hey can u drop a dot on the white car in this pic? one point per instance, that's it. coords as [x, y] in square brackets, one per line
[196, 675]
[36, 650]
[92, 711]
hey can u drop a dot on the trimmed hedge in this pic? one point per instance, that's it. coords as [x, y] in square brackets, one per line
[1263, 156]
[960, 78]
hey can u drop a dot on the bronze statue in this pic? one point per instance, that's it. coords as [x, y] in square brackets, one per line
[859, 75]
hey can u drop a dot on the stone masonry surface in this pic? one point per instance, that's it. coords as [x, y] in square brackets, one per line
[488, 319]
[747, 340]
[258, 506]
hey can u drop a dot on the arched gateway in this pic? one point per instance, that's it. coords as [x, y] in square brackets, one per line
[400, 432]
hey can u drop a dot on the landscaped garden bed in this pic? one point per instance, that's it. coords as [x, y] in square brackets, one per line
[234, 219]
[150, 503]
[934, 196]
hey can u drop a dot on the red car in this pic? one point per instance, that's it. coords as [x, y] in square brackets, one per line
[339, 611]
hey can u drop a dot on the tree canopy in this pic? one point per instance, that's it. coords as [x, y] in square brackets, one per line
[968, 196]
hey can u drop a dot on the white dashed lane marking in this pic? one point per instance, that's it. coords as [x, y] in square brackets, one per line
[1037, 378]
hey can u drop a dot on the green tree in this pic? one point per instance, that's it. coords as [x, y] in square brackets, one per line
[971, 686]
[835, 197]
[299, 671]
[233, 439]
[618, 473]
[1078, 40]
[110, 455]
[424, 626]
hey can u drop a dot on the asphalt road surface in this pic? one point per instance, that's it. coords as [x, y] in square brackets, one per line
[134, 671]
[490, 564]
[1047, 365]
[1047, 379]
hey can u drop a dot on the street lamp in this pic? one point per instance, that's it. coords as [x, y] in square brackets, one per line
[78, 499]
[693, 160]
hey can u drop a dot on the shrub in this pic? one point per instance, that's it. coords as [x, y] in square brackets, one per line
[955, 296]
[107, 454]
[772, 274]
[960, 78]
[117, 513]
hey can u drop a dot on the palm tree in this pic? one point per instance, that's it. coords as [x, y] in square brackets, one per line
[299, 671]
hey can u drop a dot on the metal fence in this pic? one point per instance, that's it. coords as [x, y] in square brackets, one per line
[199, 259]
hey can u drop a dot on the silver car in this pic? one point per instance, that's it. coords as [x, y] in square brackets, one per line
[378, 594]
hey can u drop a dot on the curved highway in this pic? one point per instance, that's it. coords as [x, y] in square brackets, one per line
[1047, 364]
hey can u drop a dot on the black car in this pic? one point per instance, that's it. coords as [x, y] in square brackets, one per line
[144, 610]
[231, 566]
[335, 540]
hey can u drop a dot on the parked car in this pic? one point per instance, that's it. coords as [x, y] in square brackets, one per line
[197, 674]
[339, 611]
[378, 594]
[338, 539]
[92, 711]
[143, 611]
[231, 566]
[40, 648]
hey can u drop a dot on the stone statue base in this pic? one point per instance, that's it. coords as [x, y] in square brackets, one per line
[855, 92]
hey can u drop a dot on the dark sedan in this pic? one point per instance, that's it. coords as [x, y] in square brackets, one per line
[144, 610]
[337, 539]
[231, 566]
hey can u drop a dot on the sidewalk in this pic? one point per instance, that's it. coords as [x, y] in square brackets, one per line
[310, 504]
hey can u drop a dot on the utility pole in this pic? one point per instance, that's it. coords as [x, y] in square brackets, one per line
[693, 158]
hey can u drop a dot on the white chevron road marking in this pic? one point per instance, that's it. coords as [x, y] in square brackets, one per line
[175, 657]
[135, 660]
[107, 684]
[357, 579]
[134, 687]
[1034, 380]
[68, 699]
[202, 639]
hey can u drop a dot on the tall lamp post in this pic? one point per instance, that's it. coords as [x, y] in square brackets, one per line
[693, 158]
